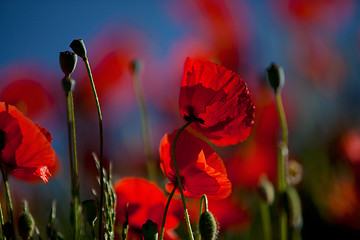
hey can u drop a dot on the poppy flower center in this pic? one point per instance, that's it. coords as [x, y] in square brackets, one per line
[190, 117]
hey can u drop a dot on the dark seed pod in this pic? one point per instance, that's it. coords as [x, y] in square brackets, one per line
[207, 226]
[275, 76]
[78, 46]
[68, 62]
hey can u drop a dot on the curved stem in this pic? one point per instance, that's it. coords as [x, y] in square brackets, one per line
[165, 213]
[282, 166]
[101, 145]
[187, 219]
[203, 201]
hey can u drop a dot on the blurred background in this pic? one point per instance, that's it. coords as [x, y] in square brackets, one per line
[316, 42]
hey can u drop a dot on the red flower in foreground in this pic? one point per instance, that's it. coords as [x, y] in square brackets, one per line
[25, 150]
[146, 201]
[201, 170]
[218, 102]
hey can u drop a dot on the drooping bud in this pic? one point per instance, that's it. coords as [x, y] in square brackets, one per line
[78, 46]
[68, 84]
[150, 230]
[207, 226]
[266, 190]
[68, 62]
[275, 76]
[26, 223]
[293, 207]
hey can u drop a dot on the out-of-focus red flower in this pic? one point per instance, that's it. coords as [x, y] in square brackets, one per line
[218, 102]
[26, 152]
[25, 87]
[258, 155]
[146, 201]
[343, 202]
[329, 14]
[201, 170]
[350, 146]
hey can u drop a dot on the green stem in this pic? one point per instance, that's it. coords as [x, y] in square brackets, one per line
[165, 213]
[265, 217]
[101, 145]
[1, 223]
[179, 181]
[73, 165]
[203, 201]
[282, 167]
[139, 93]
[8, 199]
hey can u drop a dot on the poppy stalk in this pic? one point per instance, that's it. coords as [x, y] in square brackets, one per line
[187, 218]
[275, 76]
[79, 48]
[135, 68]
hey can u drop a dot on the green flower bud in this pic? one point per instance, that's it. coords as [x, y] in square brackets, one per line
[67, 61]
[266, 190]
[26, 224]
[78, 46]
[68, 84]
[275, 76]
[135, 66]
[150, 230]
[207, 226]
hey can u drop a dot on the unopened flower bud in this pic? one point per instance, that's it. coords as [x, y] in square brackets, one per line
[26, 224]
[275, 76]
[207, 226]
[68, 84]
[150, 230]
[135, 66]
[78, 46]
[266, 190]
[67, 61]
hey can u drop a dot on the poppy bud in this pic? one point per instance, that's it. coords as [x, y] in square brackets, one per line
[275, 76]
[150, 230]
[207, 226]
[90, 210]
[67, 61]
[135, 66]
[266, 190]
[68, 84]
[293, 207]
[26, 224]
[78, 46]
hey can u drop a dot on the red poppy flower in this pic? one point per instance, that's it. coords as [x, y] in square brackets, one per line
[26, 152]
[218, 102]
[201, 170]
[146, 201]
